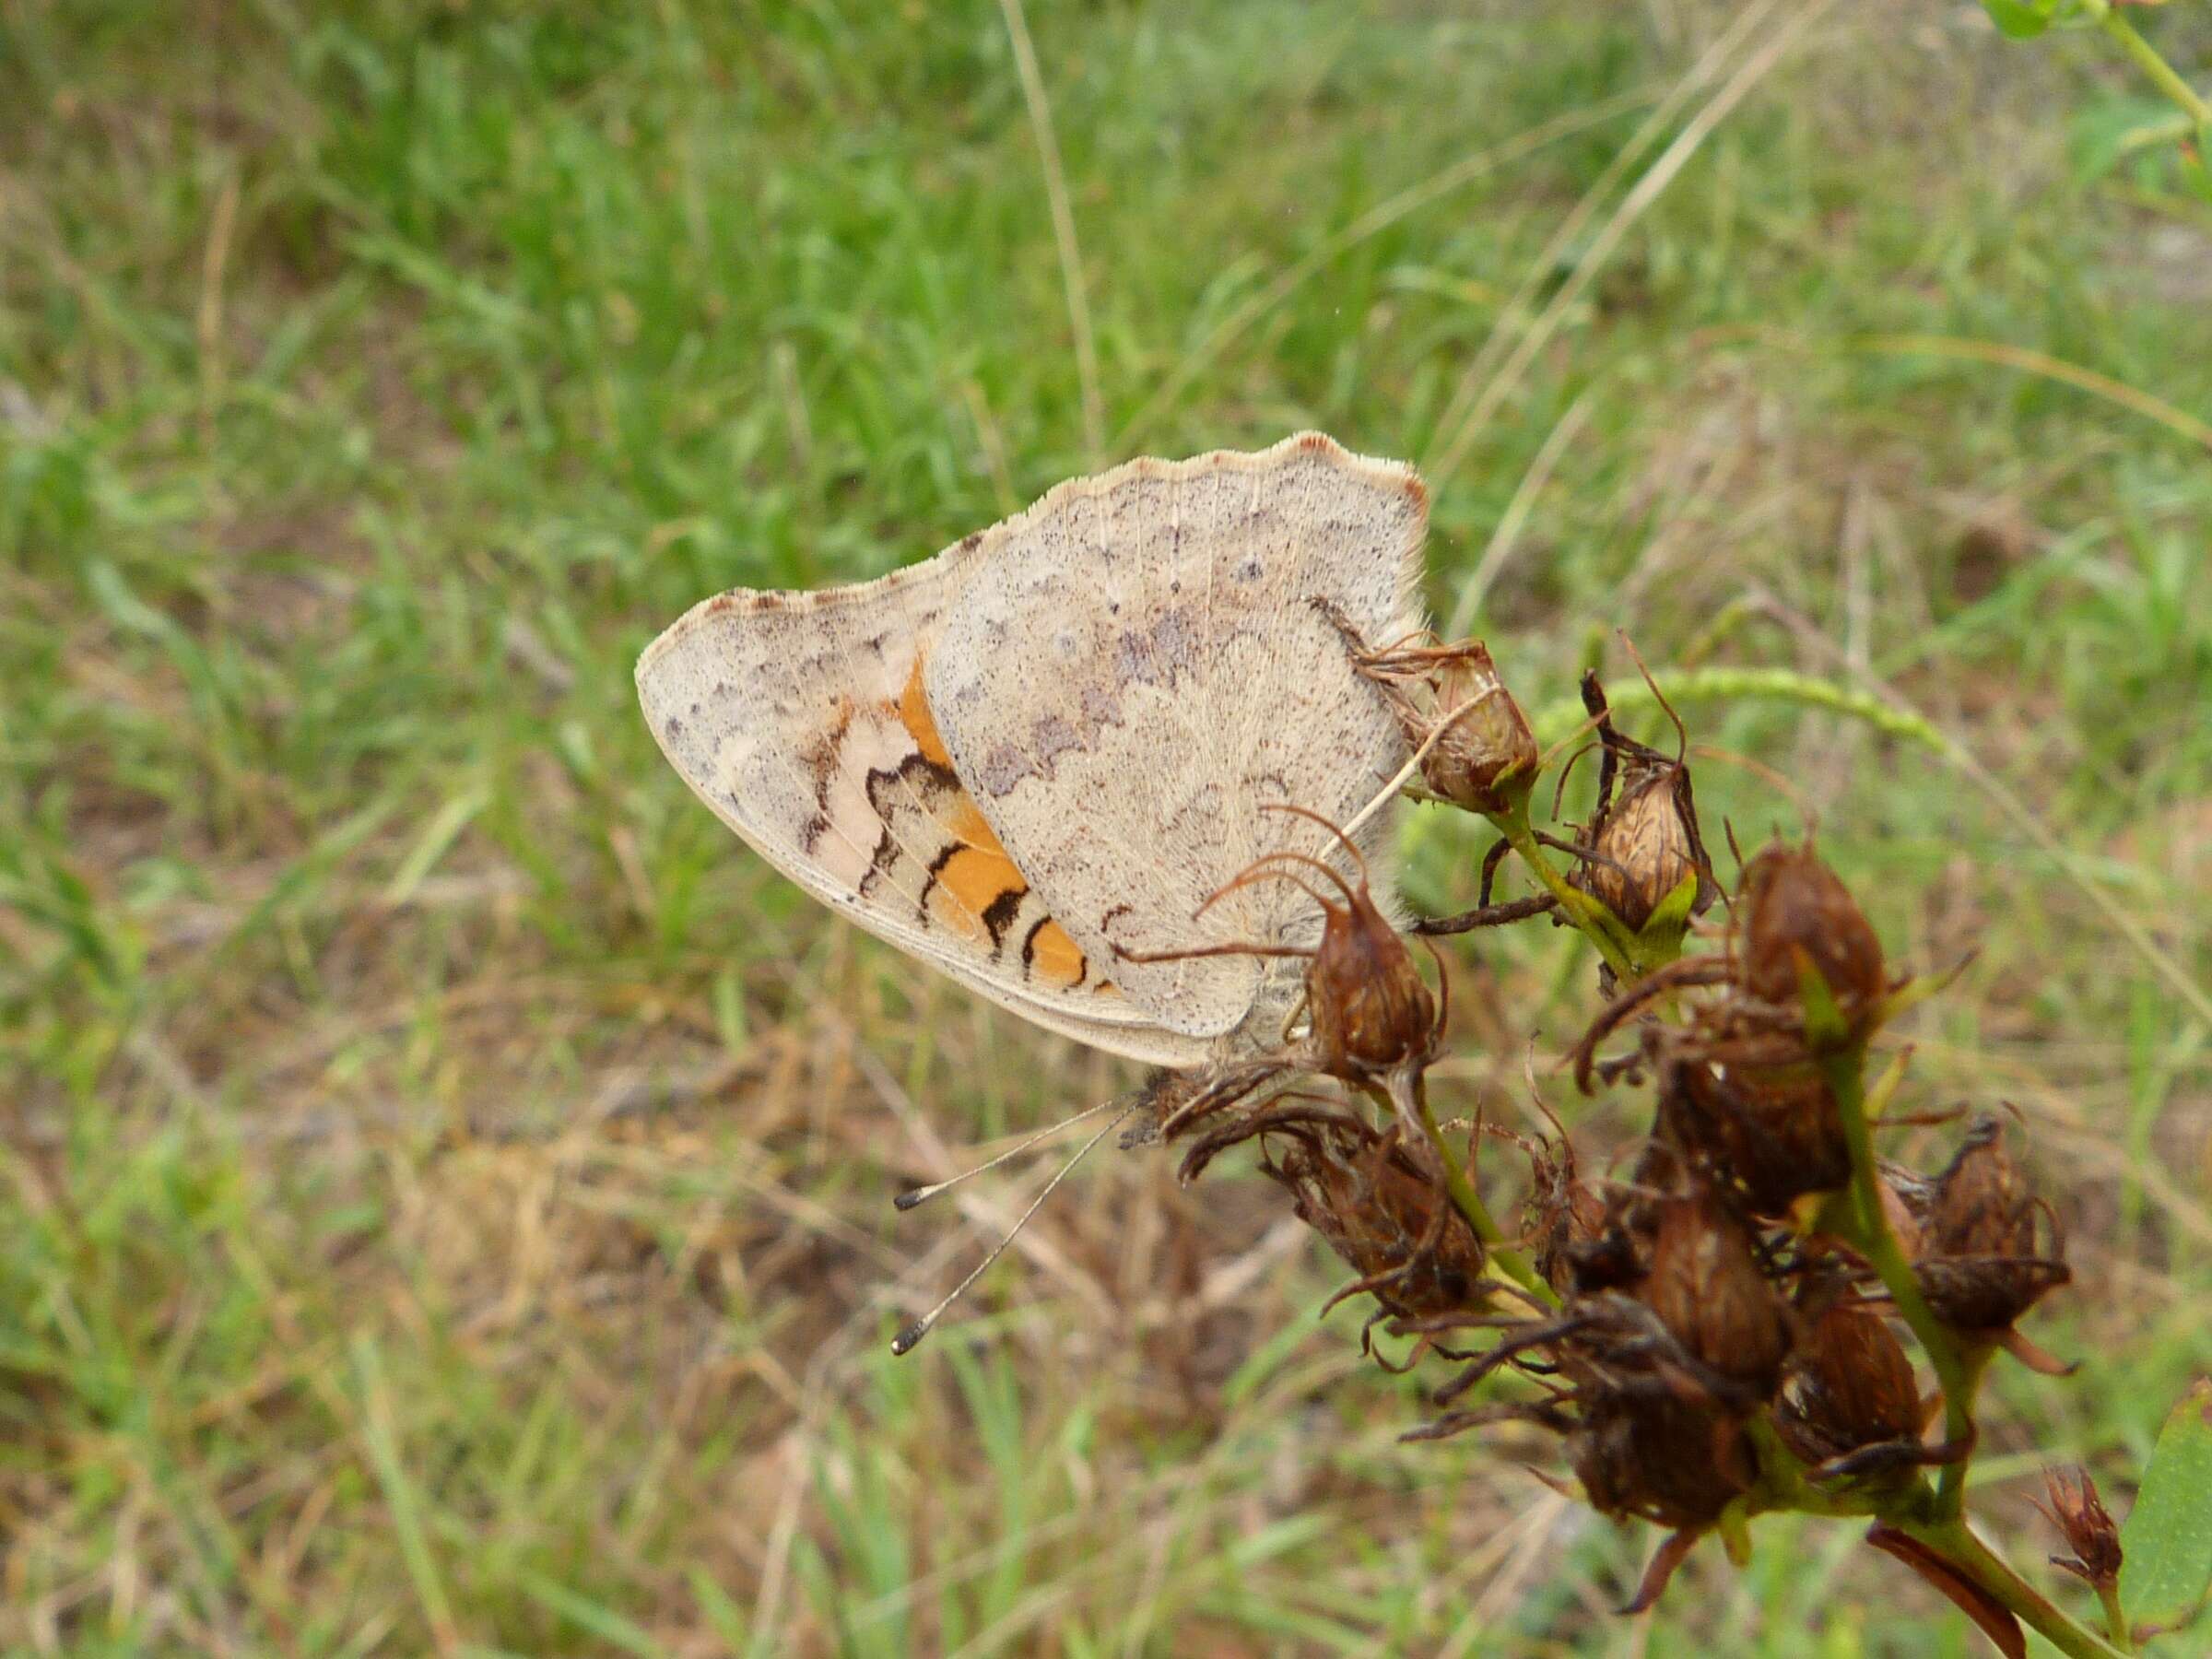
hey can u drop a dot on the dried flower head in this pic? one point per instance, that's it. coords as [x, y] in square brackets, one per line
[2086, 1524]
[1771, 1134]
[1383, 1213]
[1369, 1008]
[1640, 853]
[1655, 1456]
[1850, 1396]
[1794, 914]
[1981, 1263]
[1476, 748]
[1643, 844]
[1710, 1290]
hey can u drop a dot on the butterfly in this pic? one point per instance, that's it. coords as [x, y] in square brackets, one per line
[1036, 757]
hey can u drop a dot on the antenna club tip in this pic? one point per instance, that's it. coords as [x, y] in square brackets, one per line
[905, 1342]
[906, 1201]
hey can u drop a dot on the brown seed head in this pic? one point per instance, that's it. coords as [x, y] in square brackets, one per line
[1659, 1457]
[1383, 1217]
[2086, 1524]
[1980, 1262]
[1793, 912]
[1987, 1293]
[1849, 1386]
[1486, 746]
[1708, 1288]
[1772, 1135]
[1482, 751]
[1370, 1009]
[1646, 847]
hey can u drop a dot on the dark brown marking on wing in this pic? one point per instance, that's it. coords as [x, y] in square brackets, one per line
[998, 915]
[821, 759]
[880, 860]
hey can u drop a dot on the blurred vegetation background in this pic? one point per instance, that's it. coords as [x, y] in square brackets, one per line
[446, 1199]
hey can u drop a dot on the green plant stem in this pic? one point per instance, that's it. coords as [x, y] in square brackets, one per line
[1782, 1483]
[1954, 1542]
[1588, 916]
[2115, 1619]
[1508, 1259]
[1911, 1510]
[1956, 1370]
[2163, 74]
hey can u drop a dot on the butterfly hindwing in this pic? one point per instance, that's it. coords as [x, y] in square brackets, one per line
[1142, 660]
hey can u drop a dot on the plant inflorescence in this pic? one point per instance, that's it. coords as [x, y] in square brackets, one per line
[1722, 1323]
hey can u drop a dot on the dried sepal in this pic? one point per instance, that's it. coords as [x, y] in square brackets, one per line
[1659, 1571]
[1996, 1620]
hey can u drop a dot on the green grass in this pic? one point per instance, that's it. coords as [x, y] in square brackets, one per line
[446, 1178]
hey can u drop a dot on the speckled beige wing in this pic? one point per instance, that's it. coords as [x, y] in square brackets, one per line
[800, 718]
[1138, 662]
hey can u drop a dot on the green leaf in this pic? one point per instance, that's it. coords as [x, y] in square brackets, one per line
[582, 1611]
[2167, 1542]
[2020, 19]
[2103, 134]
[436, 839]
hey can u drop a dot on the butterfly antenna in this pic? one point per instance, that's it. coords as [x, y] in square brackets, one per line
[908, 1338]
[922, 1195]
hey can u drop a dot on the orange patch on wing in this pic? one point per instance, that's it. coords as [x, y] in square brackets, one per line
[970, 830]
[1054, 958]
[913, 713]
[963, 921]
[981, 874]
[979, 877]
